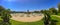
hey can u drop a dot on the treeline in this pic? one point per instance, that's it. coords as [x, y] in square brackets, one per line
[24, 12]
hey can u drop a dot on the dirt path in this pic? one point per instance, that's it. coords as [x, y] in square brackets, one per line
[27, 19]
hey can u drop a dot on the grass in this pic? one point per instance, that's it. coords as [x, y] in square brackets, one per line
[0, 18]
[13, 22]
[58, 14]
[56, 18]
[26, 23]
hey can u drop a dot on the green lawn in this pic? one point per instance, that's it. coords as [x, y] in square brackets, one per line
[26, 23]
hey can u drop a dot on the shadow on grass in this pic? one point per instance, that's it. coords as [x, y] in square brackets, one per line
[53, 22]
[1, 23]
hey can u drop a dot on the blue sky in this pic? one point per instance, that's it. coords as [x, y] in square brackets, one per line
[23, 5]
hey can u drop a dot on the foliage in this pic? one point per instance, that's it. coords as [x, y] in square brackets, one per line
[47, 18]
[53, 11]
[59, 7]
[53, 22]
[36, 11]
[5, 15]
[1, 8]
[42, 11]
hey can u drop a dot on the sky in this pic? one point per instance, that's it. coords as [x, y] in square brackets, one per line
[23, 5]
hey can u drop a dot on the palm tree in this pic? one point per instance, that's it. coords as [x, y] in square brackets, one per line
[47, 18]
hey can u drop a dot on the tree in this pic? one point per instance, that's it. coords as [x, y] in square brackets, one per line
[6, 17]
[28, 13]
[41, 11]
[1, 9]
[53, 11]
[47, 18]
[44, 11]
[59, 7]
[36, 11]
